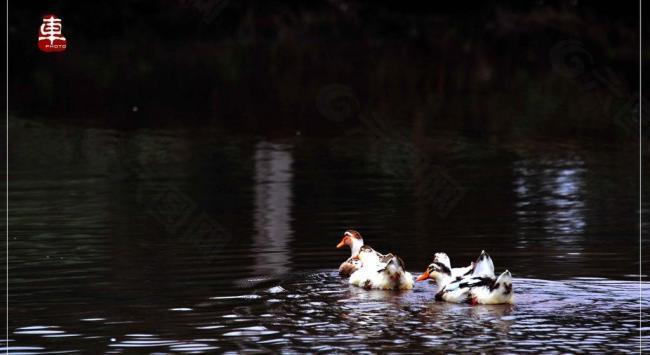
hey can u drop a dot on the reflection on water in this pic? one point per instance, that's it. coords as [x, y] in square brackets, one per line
[554, 190]
[94, 270]
[272, 208]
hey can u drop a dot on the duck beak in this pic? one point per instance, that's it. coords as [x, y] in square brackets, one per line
[423, 277]
[356, 257]
[341, 244]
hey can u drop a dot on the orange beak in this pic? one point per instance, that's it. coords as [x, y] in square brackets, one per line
[423, 277]
[356, 257]
[342, 243]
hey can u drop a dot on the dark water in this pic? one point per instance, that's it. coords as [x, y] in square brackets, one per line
[185, 241]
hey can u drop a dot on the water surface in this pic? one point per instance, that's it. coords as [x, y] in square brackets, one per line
[186, 241]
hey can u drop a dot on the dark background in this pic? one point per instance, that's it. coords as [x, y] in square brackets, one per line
[496, 70]
[181, 159]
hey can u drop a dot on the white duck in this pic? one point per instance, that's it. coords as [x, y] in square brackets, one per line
[481, 287]
[382, 272]
[457, 273]
[354, 240]
[440, 271]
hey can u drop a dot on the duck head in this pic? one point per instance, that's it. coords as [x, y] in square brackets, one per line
[442, 258]
[439, 270]
[352, 239]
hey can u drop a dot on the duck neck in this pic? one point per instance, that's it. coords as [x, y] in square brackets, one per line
[356, 246]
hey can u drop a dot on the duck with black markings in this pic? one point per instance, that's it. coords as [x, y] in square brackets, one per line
[382, 272]
[481, 287]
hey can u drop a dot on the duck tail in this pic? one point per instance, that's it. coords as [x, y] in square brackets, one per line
[505, 283]
[483, 267]
[505, 277]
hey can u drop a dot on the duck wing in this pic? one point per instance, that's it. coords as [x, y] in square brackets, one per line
[383, 260]
[460, 272]
[469, 282]
[348, 267]
[457, 291]
[394, 260]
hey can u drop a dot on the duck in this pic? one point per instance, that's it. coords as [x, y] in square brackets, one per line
[381, 272]
[480, 287]
[352, 239]
[457, 273]
[440, 271]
